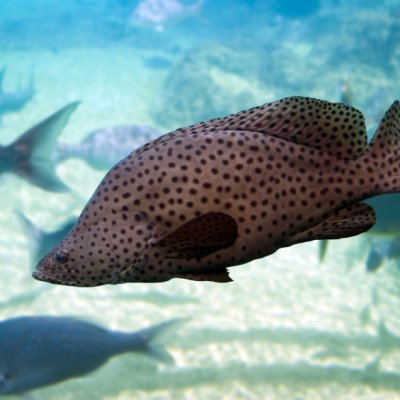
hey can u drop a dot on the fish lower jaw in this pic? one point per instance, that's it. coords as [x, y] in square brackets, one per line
[48, 278]
[41, 276]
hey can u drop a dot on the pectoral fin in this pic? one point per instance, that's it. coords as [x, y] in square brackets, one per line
[200, 236]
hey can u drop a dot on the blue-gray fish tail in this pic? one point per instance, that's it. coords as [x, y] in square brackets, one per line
[34, 149]
[34, 235]
[153, 336]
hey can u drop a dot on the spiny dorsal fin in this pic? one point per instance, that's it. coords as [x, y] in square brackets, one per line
[332, 127]
[346, 222]
[335, 128]
[200, 236]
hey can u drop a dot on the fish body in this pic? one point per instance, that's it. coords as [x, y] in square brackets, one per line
[103, 148]
[228, 191]
[157, 12]
[15, 100]
[42, 350]
[29, 156]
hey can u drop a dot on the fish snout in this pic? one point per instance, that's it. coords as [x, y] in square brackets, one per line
[48, 270]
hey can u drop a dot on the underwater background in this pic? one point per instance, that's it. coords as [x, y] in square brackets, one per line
[290, 326]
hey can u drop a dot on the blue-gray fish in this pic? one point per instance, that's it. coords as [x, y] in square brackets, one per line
[103, 148]
[16, 100]
[29, 156]
[227, 191]
[40, 351]
[381, 249]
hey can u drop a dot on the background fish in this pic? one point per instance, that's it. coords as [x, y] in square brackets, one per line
[158, 12]
[103, 148]
[16, 100]
[230, 190]
[382, 249]
[40, 351]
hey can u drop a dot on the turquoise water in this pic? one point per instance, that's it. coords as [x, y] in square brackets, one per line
[288, 327]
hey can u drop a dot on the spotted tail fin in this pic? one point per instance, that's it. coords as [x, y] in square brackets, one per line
[383, 153]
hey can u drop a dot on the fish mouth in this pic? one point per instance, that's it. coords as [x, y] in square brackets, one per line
[43, 277]
[44, 274]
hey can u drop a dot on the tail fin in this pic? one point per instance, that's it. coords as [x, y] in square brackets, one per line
[383, 153]
[33, 233]
[153, 335]
[35, 149]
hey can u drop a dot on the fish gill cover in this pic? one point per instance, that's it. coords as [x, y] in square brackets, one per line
[288, 326]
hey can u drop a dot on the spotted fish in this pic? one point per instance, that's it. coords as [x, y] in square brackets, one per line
[227, 191]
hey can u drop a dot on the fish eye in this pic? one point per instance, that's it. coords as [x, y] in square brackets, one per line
[61, 257]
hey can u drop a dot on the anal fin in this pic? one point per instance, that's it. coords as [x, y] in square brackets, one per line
[346, 222]
[220, 276]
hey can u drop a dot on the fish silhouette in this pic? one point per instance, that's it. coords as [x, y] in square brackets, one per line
[227, 191]
[103, 148]
[42, 350]
[29, 156]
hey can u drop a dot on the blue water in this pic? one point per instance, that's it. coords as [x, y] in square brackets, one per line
[289, 326]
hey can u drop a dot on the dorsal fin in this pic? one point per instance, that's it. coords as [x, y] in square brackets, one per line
[335, 128]
[332, 127]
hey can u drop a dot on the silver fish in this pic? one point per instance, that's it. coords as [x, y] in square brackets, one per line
[227, 191]
[103, 148]
[157, 12]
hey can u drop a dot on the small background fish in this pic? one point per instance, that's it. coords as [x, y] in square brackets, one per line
[13, 101]
[103, 148]
[158, 12]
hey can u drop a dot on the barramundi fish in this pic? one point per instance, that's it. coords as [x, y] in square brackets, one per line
[40, 351]
[103, 148]
[227, 191]
[29, 156]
